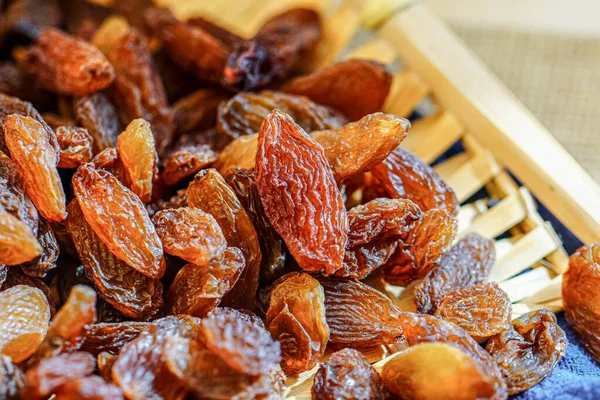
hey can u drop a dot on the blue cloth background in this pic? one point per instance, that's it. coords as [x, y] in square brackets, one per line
[577, 375]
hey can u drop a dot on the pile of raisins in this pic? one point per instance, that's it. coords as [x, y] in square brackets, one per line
[184, 214]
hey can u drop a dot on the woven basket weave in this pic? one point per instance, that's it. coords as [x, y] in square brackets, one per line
[463, 106]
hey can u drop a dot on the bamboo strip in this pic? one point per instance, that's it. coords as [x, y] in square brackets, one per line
[523, 285]
[550, 292]
[523, 308]
[431, 136]
[376, 49]
[498, 219]
[469, 213]
[532, 247]
[406, 92]
[451, 165]
[471, 176]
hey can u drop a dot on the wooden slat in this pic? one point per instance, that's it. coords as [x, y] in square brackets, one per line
[376, 49]
[406, 92]
[523, 308]
[525, 284]
[464, 86]
[550, 292]
[431, 136]
[532, 247]
[498, 219]
[470, 175]
[469, 212]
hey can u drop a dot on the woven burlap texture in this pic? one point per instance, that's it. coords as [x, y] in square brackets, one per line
[556, 77]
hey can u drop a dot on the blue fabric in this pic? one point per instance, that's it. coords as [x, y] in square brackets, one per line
[577, 375]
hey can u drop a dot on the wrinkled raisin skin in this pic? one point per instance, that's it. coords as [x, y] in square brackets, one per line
[354, 87]
[69, 66]
[276, 49]
[482, 310]
[347, 375]
[580, 296]
[299, 194]
[528, 350]
[466, 264]
[296, 318]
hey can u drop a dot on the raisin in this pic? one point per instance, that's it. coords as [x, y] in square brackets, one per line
[68, 326]
[109, 161]
[138, 90]
[15, 276]
[177, 201]
[244, 113]
[17, 243]
[374, 230]
[528, 350]
[75, 146]
[403, 175]
[482, 310]
[435, 371]
[420, 249]
[239, 154]
[97, 114]
[13, 197]
[202, 371]
[36, 158]
[579, 296]
[12, 105]
[119, 219]
[272, 247]
[191, 234]
[358, 315]
[193, 48]
[345, 147]
[44, 378]
[354, 87]
[40, 266]
[245, 345]
[278, 48]
[299, 194]
[210, 193]
[110, 337]
[466, 264]
[198, 110]
[296, 319]
[226, 37]
[24, 321]
[12, 379]
[88, 388]
[66, 65]
[105, 362]
[190, 155]
[141, 370]
[135, 148]
[197, 290]
[131, 292]
[347, 375]
[423, 328]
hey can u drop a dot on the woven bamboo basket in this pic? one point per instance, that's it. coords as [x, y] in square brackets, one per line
[436, 75]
